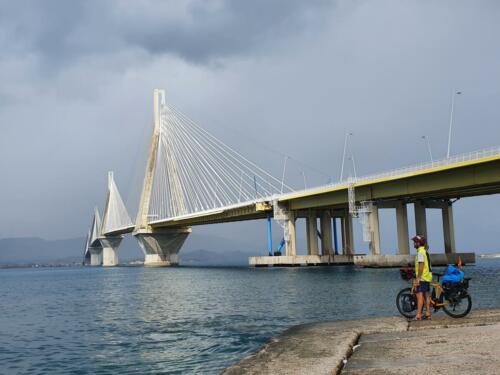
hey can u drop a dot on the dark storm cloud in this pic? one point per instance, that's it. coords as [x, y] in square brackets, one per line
[43, 27]
[232, 28]
[198, 31]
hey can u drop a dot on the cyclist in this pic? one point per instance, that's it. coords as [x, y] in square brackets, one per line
[423, 272]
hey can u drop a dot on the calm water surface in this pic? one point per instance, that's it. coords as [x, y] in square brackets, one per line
[132, 320]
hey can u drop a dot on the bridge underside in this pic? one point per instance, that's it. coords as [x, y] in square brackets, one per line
[436, 188]
[458, 182]
[250, 212]
[446, 183]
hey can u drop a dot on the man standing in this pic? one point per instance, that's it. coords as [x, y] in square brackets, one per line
[423, 271]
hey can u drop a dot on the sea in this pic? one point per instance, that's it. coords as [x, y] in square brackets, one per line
[183, 320]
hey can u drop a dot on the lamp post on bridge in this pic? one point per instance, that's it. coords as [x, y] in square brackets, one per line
[347, 134]
[426, 139]
[304, 177]
[351, 158]
[454, 93]
[283, 175]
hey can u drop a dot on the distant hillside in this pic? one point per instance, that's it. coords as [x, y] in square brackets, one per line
[198, 250]
[36, 250]
[202, 249]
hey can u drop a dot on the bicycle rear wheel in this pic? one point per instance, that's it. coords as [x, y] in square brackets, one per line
[458, 308]
[406, 303]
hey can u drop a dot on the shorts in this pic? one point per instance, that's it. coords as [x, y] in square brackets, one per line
[422, 287]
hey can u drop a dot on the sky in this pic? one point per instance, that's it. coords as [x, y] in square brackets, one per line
[268, 78]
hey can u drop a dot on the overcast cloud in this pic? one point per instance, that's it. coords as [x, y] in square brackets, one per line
[267, 77]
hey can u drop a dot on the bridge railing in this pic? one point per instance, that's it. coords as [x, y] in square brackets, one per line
[402, 172]
[399, 172]
[470, 156]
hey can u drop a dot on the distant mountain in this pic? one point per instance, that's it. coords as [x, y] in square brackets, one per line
[202, 249]
[199, 249]
[36, 250]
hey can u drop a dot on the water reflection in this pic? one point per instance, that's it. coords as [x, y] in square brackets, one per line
[185, 319]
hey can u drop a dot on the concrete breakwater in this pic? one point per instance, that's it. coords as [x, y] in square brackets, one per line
[389, 345]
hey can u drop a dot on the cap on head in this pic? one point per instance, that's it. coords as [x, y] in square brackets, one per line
[419, 240]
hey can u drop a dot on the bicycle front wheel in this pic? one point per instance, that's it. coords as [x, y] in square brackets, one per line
[460, 308]
[406, 303]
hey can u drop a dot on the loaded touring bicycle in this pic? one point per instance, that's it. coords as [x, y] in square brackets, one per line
[451, 295]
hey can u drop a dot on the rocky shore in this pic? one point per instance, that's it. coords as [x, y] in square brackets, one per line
[390, 345]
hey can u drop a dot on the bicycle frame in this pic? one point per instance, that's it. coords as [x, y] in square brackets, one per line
[437, 289]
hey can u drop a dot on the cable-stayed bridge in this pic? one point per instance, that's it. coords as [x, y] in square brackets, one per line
[192, 178]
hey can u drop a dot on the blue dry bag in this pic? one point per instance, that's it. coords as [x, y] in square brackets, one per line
[453, 275]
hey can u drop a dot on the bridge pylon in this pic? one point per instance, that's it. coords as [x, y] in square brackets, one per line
[93, 247]
[160, 245]
[115, 219]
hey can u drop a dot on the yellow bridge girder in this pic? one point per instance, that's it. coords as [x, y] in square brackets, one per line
[462, 179]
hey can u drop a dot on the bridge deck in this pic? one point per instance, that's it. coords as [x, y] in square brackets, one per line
[461, 178]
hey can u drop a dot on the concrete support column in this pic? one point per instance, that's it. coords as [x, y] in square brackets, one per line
[95, 256]
[374, 229]
[402, 227]
[86, 259]
[335, 235]
[312, 233]
[420, 218]
[110, 250]
[161, 247]
[448, 228]
[326, 233]
[290, 236]
[347, 234]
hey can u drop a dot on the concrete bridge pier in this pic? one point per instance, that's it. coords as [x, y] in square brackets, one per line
[110, 250]
[347, 233]
[420, 223]
[446, 208]
[312, 233]
[161, 247]
[95, 256]
[402, 228]
[375, 258]
[374, 229]
[420, 218]
[401, 224]
[448, 227]
[326, 233]
[404, 257]
[290, 236]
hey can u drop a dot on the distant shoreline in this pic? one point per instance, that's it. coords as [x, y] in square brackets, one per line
[489, 256]
[139, 263]
[40, 265]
